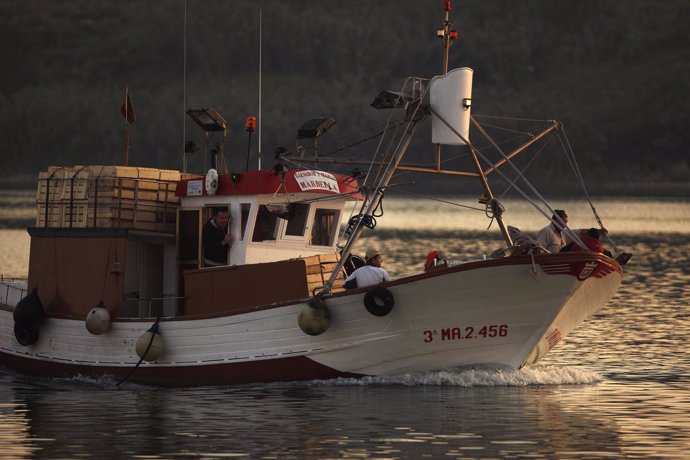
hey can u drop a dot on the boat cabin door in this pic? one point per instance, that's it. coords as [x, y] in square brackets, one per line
[189, 255]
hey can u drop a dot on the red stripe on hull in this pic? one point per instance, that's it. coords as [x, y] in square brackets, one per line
[271, 370]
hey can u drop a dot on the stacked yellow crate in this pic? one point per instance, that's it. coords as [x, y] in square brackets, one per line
[107, 196]
[319, 269]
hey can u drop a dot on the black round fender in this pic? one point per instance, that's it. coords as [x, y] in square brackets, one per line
[29, 311]
[25, 335]
[379, 301]
[28, 316]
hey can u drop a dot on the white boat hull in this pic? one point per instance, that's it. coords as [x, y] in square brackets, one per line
[503, 312]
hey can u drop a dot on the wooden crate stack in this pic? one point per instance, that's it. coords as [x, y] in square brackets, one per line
[319, 269]
[107, 197]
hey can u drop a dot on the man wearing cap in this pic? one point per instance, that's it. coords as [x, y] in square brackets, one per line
[370, 274]
[552, 237]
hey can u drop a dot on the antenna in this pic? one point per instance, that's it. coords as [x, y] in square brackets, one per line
[260, 118]
[184, 91]
[446, 34]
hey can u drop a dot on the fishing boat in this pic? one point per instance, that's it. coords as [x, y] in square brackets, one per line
[119, 285]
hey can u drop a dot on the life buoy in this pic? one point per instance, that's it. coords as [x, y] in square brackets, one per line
[211, 182]
[379, 301]
[352, 263]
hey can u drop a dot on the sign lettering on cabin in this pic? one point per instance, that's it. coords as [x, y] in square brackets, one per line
[316, 180]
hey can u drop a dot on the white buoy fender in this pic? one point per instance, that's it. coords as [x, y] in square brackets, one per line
[98, 319]
[211, 182]
[150, 345]
[314, 318]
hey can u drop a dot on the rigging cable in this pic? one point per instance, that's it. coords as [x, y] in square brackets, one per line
[565, 143]
[566, 229]
[529, 163]
[429, 197]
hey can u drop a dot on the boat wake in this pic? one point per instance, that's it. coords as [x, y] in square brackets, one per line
[482, 377]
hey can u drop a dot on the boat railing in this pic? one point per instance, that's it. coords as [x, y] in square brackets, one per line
[166, 306]
[12, 290]
[85, 198]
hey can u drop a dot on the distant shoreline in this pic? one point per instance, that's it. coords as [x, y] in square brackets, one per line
[615, 188]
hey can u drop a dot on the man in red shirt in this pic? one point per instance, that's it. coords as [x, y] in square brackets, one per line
[591, 240]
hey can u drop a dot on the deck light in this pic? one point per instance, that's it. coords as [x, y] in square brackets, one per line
[315, 127]
[250, 127]
[389, 100]
[208, 119]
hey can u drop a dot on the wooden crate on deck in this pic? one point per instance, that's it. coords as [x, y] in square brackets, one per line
[107, 196]
[319, 269]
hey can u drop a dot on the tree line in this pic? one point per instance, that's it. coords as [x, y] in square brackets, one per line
[614, 72]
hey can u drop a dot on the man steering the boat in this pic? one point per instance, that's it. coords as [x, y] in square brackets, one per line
[370, 274]
[216, 238]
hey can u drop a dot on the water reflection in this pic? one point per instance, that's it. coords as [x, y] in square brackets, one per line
[67, 419]
[305, 421]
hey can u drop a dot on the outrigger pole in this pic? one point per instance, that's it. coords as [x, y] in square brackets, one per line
[403, 144]
[495, 206]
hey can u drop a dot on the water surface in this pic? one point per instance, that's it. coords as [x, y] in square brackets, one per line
[618, 387]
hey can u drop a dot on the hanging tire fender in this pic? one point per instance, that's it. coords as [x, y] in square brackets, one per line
[379, 301]
[25, 335]
[28, 316]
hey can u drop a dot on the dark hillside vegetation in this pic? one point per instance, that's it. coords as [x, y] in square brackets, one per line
[615, 72]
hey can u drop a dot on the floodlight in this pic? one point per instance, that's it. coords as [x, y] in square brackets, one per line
[315, 127]
[208, 119]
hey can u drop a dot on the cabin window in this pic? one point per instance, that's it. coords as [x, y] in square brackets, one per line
[325, 227]
[244, 218]
[266, 225]
[298, 222]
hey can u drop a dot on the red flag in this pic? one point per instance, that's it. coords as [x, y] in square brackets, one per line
[127, 110]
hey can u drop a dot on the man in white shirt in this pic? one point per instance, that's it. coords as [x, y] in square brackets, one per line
[370, 274]
[552, 236]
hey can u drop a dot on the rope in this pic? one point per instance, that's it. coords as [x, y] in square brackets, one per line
[429, 197]
[529, 163]
[510, 118]
[354, 144]
[565, 143]
[148, 347]
[281, 185]
[566, 229]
